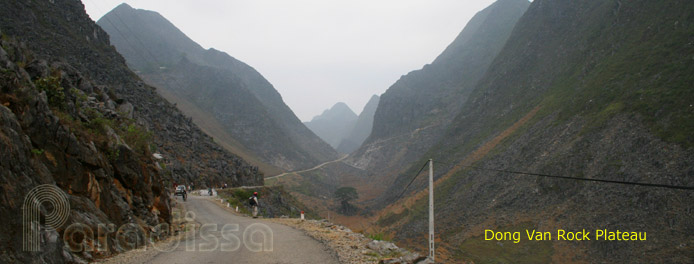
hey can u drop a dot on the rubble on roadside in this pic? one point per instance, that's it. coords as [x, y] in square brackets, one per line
[352, 247]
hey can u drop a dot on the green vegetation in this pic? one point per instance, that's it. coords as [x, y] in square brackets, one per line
[80, 97]
[113, 154]
[54, 92]
[379, 236]
[37, 151]
[97, 126]
[138, 138]
[237, 199]
[274, 202]
[346, 194]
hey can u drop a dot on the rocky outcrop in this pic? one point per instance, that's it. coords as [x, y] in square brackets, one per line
[52, 125]
[62, 31]
[76, 120]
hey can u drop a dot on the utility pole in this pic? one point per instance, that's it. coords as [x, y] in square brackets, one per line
[431, 210]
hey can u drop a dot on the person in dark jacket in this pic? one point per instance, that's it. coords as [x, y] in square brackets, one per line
[253, 200]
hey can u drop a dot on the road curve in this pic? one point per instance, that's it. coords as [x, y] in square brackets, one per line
[221, 239]
[307, 170]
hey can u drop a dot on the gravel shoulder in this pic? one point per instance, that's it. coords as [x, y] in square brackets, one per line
[352, 247]
[213, 233]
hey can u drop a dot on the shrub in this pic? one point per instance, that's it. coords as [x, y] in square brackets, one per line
[54, 92]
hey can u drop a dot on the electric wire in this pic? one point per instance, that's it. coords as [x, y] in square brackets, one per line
[668, 186]
[413, 178]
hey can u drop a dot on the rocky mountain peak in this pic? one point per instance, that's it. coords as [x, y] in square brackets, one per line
[362, 128]
[339, 111]
[225, 96]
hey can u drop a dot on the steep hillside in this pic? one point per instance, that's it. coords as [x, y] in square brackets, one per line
[258, 122]
[588, 89]
[61, 137]
[63, 31]
[73, 116]
[57, 131]
[333, 124]
[362, 128]
[415, 111]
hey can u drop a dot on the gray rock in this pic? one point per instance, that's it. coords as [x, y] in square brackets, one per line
[382, 247]
[126, 109]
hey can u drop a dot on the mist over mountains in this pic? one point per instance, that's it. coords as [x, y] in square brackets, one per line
[362, 128]
[226, 97]
[416, 110]
[340, 127]
[522, 112]
[588, 89]
[333, 124]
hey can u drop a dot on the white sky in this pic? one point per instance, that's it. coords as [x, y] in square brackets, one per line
[318, 52]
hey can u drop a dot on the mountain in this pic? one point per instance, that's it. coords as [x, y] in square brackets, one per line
[76, 123]
[415, 111]
[226, 97]
[361, 129]
[584, 89]
[333, 124]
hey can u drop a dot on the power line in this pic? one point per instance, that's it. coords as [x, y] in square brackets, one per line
[413, 178]
[668, 186]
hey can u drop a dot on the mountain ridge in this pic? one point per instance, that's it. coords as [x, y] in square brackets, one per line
[79, 122]
[362, 128]
[582, 89]
[278, 139]
[333, 124]
[415, 112]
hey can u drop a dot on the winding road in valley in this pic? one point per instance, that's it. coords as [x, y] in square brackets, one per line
[307, 170]
[225, 237]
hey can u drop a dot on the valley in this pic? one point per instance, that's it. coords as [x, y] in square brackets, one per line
[556, 132]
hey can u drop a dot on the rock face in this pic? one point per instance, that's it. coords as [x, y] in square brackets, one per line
[54, 133]
[334, 124]
[583, 89]
[73, 116]
[415, 111]
[63, 32]
[362, 128]
[225, 96]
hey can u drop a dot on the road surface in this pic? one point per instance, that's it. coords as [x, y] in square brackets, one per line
[221, 239]
[307, 170]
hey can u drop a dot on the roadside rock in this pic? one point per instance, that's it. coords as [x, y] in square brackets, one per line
[352, 247]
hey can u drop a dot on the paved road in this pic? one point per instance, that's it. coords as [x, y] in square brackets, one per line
[307, 170]
[219, 244]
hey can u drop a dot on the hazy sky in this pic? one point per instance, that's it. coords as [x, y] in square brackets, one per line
[318, 52]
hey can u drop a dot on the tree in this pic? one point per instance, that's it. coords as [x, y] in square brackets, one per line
[346, 194]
